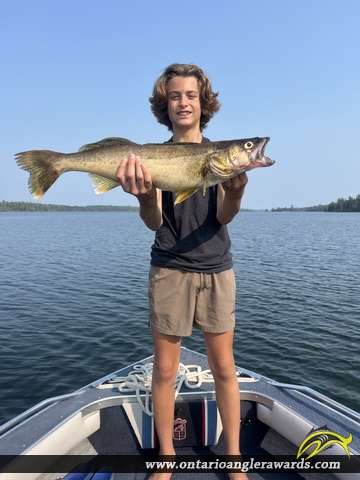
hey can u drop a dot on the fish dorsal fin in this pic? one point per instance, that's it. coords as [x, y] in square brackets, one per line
[106, 142]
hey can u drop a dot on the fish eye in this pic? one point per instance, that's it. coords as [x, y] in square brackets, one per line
[248, 145]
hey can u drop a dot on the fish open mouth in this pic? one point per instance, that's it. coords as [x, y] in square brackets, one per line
[260, 158]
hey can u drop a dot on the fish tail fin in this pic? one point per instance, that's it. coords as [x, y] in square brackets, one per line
[41, 166]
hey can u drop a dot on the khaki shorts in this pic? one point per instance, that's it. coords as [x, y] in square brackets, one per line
[179, 301]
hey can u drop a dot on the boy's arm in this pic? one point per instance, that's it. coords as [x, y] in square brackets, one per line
[135, 179]
[229, 198]
[151, 211]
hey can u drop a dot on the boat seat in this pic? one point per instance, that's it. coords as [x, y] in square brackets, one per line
[196, 423]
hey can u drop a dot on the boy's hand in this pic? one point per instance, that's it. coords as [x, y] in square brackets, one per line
[135, 178]
[235, 187]
[229, 199]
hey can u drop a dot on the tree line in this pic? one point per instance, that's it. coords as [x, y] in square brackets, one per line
[341, 205]
[41, 207]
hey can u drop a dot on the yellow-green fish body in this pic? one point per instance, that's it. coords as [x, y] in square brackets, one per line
[178, 167]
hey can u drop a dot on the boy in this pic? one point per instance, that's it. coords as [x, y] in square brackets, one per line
[191, 280]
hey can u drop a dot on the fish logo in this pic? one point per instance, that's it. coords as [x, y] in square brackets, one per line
[322, 438]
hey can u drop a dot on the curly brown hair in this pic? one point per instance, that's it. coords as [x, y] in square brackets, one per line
[159, 99]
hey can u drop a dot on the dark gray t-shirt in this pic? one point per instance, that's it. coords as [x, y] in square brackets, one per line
[191, 238]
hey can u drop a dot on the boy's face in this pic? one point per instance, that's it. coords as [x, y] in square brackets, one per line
[184, 107]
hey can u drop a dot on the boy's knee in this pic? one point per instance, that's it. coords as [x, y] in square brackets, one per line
[223, 371]
[165, 371]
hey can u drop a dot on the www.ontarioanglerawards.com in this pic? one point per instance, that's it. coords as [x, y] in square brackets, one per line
[243, 466]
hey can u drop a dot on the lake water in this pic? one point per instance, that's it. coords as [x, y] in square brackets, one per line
[73, 301]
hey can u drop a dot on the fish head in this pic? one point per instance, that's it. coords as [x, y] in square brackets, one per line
[240, 156]
[248, 154]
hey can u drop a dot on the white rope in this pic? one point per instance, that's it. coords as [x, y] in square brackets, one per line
[139, 381]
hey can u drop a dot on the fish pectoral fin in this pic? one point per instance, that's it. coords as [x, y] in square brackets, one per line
[184, 194]
[106, 142]
[103, 184]
[218, 165]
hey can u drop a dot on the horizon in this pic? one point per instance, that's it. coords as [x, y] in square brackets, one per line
[137, 206]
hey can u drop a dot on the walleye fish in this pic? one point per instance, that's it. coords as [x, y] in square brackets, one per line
[177, 167]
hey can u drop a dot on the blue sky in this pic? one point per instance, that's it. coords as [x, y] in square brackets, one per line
[76, 71]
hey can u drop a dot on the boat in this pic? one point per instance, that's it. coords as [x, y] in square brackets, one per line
[106, 431]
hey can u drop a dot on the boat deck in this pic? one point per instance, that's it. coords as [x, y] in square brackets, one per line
[264, 431]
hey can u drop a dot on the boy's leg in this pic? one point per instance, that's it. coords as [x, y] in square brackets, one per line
[166, 364]
[221, 362]
[222, 365]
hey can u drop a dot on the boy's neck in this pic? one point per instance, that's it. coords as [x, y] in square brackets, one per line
[187, 136]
